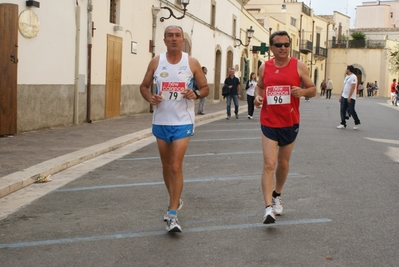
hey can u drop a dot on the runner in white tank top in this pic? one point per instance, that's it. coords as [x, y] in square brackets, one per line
[173, 118]
[172, 79]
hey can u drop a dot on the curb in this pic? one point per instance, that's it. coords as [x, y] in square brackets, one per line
[18, 180]
[21, 179]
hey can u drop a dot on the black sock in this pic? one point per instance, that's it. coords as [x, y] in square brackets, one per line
[275, 194]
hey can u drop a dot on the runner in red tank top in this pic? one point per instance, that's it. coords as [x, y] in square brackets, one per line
[277, 93]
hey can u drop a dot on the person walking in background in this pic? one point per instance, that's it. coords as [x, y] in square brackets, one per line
[250, 87]
[202, 100]
[233, 83]
[348, 98]
[323, 87]
[375, 89]
[368, 87]
[360, 89]
[330, 87]
[173, 117]
[393, 91]
[277, 93]
[397, 95]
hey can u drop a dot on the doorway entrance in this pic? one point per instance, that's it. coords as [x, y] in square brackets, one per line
[9, 68]
[113, 82]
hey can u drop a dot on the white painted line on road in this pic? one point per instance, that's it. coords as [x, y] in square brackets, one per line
[229, 130]
[199, 155]
[393, 152]
[388, 141]
[155, 233]
[236, 177]
[23, 197]
[225, 139]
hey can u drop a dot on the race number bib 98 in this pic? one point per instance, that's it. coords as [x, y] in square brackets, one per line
[278, 95]
[172, 90]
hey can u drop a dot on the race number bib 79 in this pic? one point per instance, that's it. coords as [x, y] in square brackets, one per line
[172, 90]
[278, 95]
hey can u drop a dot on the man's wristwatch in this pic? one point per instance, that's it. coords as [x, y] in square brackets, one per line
[197, 93]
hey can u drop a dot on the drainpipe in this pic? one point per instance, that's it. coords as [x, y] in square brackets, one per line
[312, 57]
[325, 69]
[89, 48]
[155, 11]
[268, 52]
[77, 42]
[300, 36]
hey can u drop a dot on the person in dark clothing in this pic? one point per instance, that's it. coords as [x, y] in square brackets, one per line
[233, 84]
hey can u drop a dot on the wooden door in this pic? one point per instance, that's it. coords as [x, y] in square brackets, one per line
[113, 77]
[8, 68]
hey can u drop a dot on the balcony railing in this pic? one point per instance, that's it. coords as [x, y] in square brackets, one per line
[306, 47]
[306, 9]
[371, 44]
[320, 52]
[296, 54]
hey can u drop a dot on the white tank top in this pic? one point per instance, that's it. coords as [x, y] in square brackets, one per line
[172, 79]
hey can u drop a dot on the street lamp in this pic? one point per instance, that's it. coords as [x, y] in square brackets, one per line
[250, 34]
[184, 3]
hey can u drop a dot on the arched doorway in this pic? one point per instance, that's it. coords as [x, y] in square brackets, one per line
[218, 69]
[186, 45]
[315, 77]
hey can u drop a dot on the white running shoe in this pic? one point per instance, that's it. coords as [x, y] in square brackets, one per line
[341, 126]
[166, 216]
[357, 126]
[269, 216]
[277, 205]
[172, 224]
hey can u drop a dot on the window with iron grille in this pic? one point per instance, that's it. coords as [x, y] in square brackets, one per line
[112, 11]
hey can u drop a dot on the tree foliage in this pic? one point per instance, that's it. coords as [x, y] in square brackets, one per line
[393, 59]
[358, 36]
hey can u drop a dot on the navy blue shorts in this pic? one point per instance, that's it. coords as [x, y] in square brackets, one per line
[170, 133]
[284, 136]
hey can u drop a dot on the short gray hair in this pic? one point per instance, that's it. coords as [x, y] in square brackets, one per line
[173, 26]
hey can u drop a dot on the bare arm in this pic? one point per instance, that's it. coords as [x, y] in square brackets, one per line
[147, 81]
[260, 88]
[309, 89]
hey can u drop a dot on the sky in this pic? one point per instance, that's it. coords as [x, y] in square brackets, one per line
[346, 7]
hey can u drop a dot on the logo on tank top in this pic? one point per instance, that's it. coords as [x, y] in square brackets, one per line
[183, 68]
[276, 72]
[164, 74]
[164, 68]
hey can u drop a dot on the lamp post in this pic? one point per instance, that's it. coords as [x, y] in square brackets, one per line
[250, 34]
[184, 3]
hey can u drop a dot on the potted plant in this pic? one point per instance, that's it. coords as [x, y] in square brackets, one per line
[358, 40]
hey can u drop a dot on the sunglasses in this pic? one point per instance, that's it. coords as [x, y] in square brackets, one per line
[281, 45]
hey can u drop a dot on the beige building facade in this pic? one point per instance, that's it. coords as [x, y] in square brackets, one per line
[82, 61]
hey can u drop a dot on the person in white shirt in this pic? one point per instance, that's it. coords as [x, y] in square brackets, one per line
[174, 73]
[330, 87]
[348, 98]
[250, 87]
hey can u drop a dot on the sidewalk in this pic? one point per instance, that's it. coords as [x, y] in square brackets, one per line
[27, 156]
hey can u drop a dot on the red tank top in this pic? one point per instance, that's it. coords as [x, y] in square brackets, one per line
[280, 109]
